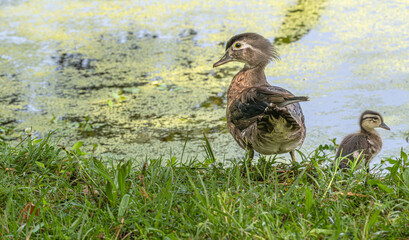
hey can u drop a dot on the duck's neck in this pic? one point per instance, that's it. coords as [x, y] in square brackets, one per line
[247, 77]
[373, 138]
[251, 76]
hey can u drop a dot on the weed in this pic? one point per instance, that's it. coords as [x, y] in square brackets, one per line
[51, 191]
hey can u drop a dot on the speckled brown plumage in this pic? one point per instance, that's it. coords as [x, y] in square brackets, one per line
[260, 117]
[363, 146]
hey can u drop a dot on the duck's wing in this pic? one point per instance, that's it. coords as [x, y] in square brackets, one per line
[294, 109]
[253, 103]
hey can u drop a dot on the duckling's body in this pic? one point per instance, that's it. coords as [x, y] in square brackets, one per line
[363, 146]
[260, 117]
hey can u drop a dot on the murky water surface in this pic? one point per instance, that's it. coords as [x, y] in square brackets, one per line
[136, 77]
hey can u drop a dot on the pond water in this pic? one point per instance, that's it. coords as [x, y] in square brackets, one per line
[136, 77]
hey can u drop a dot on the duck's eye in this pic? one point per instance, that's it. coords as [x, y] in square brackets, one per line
[237, 45]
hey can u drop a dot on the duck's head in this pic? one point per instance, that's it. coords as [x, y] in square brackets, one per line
[250, 48]
[370, 120]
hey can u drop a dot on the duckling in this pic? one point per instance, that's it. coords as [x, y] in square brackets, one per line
[364, 145]
[260, 117]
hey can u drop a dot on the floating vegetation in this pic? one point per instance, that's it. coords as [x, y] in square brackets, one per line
[76, 60]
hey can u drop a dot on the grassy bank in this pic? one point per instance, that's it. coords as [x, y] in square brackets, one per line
[49, 191]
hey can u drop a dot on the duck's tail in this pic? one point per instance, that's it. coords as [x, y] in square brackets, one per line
[294, 99]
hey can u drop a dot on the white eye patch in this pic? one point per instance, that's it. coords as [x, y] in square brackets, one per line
[240, 45]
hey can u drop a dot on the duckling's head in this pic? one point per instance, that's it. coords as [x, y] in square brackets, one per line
[371, 120]
[251, 48]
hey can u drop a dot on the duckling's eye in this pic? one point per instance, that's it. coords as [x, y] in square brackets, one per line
[237, 45]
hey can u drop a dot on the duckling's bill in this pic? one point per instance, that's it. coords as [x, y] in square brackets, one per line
[225, 59]
[384, 126]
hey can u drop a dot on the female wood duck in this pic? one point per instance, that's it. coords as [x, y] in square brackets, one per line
[261, 117]
[364, 145]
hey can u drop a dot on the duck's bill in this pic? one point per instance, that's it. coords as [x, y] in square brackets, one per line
[384, 126]
[225, 59]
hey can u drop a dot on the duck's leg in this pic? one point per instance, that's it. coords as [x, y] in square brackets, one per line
[250, 157]
[251, 154]
[367, 168]
[292, 154]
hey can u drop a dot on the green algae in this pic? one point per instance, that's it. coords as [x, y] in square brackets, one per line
[137, 78]
[299, 20]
